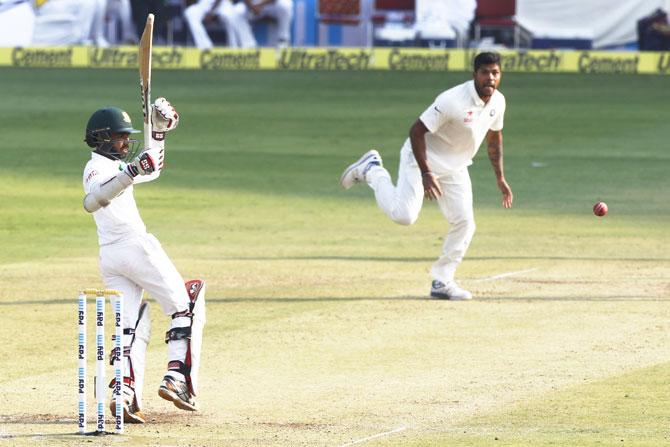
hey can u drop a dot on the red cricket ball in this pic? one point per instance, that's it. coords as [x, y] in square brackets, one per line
[600, 209]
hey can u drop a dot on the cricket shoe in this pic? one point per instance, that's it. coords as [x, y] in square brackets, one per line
[355, 173]
[177, 392]
[131, 413]
[449, 291]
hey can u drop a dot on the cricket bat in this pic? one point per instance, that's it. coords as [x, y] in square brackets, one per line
[146, 43]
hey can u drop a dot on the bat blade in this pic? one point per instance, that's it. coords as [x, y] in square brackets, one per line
[145, 49]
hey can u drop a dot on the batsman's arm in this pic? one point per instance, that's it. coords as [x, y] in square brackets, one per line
[164, 118]
[494, 141]
[417, 136]
[101, 194]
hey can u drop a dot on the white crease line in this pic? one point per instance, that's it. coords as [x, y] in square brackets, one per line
[505, 275]
[378, 435]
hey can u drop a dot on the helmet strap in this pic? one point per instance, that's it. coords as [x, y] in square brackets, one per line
[107, 151]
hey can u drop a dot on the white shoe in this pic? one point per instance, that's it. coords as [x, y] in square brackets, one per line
[131, 413]
[101, 42]
[355, 173]
[177, 392]
[449, 291]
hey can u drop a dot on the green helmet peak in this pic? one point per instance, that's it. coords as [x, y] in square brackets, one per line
[100, 127]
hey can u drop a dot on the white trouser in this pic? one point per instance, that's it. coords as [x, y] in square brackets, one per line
[120, 10]
[97, 35]
[139, 264]
[236, 18]
[229, 15]
[17, 22]
[67, 22]
[280, 10]
[402, 204]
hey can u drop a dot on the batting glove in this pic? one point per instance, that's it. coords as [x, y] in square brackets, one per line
[157, 155]
[142, 165]
[164, 118]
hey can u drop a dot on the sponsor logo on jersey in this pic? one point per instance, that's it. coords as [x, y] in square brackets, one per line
[469, 116]
[92, 174]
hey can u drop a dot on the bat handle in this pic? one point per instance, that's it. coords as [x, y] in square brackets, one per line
[147, 135]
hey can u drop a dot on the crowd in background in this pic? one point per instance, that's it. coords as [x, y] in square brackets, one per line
[236, 23]
[654, 32]
[201, 23]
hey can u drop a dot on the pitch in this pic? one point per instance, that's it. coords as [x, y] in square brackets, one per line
[319, 327]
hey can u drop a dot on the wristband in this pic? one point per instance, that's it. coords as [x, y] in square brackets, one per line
[423, 174]
[132, 171]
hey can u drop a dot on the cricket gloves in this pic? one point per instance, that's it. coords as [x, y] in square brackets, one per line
[157, 154]
[164, 118]
[144, 164]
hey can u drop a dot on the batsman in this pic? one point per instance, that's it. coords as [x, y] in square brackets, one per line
[133, 261]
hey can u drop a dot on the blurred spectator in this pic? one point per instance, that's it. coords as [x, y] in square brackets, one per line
[97, 34]
[661, 28]
[118, 11]
[236, 16]
[279, 10]
[142, 8]
[17, 22]
[442, 20]
[70, 22]
[203, 11]
[654, 32]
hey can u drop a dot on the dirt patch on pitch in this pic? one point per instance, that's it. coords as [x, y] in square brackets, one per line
[173, 417]
[39, 418]
[295, 425]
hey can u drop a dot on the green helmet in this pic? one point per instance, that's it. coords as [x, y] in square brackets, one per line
[100, 127]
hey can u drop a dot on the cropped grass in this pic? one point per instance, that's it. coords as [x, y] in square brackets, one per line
[319, 327]
[628, 409]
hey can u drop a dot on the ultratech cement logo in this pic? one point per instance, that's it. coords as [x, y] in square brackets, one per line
[589, 63]
[26, 57]
[399, 60]
[324, 60]
[128, 58]
[664, 63]
[529, 62]
[112, 57]
[248, 60]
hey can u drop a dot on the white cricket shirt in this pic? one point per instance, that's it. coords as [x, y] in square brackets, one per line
[458, 121]
[120, 219]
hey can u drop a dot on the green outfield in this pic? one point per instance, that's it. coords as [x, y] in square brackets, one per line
[319, 327]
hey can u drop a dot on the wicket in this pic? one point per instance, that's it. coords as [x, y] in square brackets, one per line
[100, 388]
